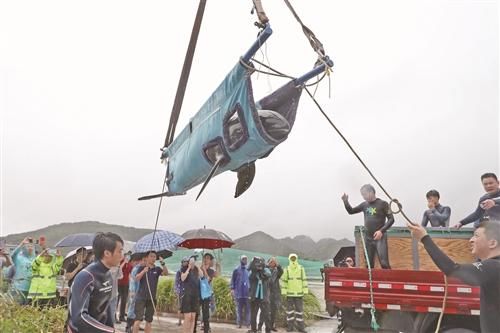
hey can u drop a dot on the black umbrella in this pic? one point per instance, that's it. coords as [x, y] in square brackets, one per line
[71, 256]
[76, 240]
[344, 252]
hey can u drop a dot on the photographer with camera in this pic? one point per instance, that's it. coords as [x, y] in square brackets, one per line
[190, 301]
[259, 278]
[274, 294]
[45, 269]
[346, 262]
[22, 257]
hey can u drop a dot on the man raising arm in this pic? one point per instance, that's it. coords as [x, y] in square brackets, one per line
[485, 244]
[378, 219]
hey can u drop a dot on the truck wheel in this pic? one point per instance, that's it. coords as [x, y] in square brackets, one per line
[425, 322]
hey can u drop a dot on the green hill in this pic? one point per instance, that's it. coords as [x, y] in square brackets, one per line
[56, 232]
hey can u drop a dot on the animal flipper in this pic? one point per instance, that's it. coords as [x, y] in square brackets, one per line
[246, 174]
[211, 174]
[159, 195]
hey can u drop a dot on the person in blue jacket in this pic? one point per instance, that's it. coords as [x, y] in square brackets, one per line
[240, 285]
[22, 257]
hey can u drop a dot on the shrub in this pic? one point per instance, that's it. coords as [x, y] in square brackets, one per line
[15, 318]
[165, 296]
[224, 303]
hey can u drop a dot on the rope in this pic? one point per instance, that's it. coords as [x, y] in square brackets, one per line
[444, 303]
[186, 69]
[392, 200]
[152, 244]
[374, 323]
[399, 210]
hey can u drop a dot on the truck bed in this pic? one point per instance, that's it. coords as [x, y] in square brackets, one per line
[403, 290]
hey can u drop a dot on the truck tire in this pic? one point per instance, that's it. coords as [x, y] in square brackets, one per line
[425, 322]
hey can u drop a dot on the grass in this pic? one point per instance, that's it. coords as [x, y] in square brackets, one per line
[15, 318]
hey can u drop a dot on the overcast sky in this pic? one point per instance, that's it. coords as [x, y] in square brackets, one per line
[86, 90]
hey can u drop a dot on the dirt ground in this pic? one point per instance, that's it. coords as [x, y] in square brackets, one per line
[168, 324]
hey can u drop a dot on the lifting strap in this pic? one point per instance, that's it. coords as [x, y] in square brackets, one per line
[313, 40]
[261, 15]
[186, 69]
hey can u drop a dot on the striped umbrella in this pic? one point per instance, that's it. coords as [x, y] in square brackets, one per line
[161, 241]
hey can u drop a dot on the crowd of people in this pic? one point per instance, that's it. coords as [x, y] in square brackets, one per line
[258, 286]
[107, 287]
[29, 273]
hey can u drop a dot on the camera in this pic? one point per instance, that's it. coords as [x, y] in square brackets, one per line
[342, 263]
[257, 264]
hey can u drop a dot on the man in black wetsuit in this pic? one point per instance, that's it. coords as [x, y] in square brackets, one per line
[437, 214]
[489, 204]
[485, 245]
[89, 308]
[378, 219]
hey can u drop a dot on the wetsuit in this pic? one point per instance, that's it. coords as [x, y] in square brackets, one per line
[438, 216]
[89, 309]
[493, 213]
[485, 274]
[376, 213]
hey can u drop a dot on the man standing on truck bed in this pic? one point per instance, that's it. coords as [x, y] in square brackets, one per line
[437, 214]
[489, 204]
[378, 219]
[485, 244]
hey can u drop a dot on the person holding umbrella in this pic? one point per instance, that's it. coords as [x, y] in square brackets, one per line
[145, 302]
[76, 265]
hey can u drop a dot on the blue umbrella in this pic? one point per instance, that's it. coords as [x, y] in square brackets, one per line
[76, 240]
[162, 242]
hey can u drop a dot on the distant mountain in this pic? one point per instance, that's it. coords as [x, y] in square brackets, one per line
[261, 242]
[56, 232]
[326, 248]
[304, 246]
